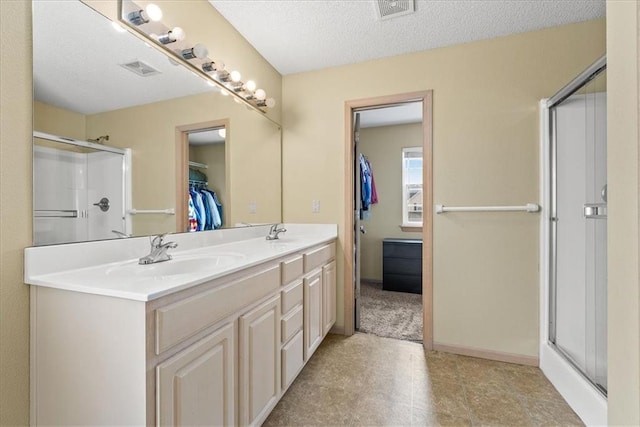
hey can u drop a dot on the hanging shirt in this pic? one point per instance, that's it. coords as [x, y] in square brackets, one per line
[213, 209]
[219, 205]
[193, 220]
[365, 183]
[200, 211]
[374, 193]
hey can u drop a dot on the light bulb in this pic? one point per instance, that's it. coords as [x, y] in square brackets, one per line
[153, 12]
[118, 27]
[198, 51]
[250, 85]
[222, 132]
[174, 35]
[178, 33]
[270, 102]
[235, 76]
[260, 94]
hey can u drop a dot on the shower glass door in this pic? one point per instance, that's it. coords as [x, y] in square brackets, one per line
[578, 312]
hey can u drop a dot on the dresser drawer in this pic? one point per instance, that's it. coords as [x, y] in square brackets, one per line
[183, 319]
[398, 248]
[292, 296]
[291, 323]
[319, 256]
[402, 266]
[292, 268]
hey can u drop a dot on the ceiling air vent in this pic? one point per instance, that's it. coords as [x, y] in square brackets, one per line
[140, 68]
[387, 9]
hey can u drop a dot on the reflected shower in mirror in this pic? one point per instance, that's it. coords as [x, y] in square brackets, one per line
[98, 83]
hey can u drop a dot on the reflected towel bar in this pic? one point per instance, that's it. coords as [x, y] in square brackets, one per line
[152, 211]
[529, 207]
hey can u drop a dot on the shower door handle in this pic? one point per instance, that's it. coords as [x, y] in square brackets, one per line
[595, 210]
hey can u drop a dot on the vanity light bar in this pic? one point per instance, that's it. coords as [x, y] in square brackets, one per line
[147, 23]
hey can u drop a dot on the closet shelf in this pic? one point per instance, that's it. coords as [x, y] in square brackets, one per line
[198, 165]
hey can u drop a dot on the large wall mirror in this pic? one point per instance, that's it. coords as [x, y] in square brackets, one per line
[116, 119]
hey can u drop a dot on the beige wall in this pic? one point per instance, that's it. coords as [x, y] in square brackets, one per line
[383, 147]
[485, 137]
[253, 142]
[623, 119]
[15, 208]
[214, 157]
[58, 121]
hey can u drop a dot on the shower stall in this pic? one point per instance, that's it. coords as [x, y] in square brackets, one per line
[79, 190]
[574, 311]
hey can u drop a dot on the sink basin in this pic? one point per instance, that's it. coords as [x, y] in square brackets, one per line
[179, 265]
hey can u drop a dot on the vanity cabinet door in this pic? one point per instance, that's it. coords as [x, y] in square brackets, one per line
[328, 296]
[260, 366]
[312, 313]
[196, 386]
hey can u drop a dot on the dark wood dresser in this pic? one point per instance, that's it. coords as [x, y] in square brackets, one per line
[402, 265]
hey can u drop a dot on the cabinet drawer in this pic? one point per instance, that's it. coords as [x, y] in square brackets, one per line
[292, 359]
[291, 269]
[318, 257]
[291, 323]
[292, 296]
[178, 321]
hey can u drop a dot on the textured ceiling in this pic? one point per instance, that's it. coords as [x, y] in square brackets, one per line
[302, 35]
[76, 63]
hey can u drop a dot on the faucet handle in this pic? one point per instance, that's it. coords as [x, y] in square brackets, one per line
[157, 240]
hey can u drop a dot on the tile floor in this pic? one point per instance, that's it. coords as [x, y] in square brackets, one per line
[365, 380]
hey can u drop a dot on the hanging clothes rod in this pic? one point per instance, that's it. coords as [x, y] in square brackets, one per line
[152, 211]
[529, 207]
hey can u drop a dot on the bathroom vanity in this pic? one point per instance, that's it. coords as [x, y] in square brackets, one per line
[214, 336]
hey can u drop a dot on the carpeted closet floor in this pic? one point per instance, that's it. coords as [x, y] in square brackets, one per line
[390, 314]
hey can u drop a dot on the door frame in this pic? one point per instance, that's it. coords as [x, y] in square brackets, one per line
[427, 224]
[182, 167]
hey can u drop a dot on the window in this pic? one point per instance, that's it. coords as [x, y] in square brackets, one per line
[412, 186]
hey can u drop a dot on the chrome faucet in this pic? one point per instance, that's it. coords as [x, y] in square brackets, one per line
[158, 251]
[274, 231]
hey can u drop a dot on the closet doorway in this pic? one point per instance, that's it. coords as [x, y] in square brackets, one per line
[388, 279]
[202, 159]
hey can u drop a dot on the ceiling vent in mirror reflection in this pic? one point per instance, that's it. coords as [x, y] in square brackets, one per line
[387, 9]
[140, 68]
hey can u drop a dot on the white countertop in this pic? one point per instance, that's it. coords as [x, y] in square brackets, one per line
[111, 268]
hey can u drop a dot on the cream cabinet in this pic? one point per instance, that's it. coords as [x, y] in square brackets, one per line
[312, 313]
[319, 267]
[196, 386]
[260, 368]
[328, 296]
[219, 353]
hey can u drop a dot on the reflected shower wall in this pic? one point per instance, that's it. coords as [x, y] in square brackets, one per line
[79, 193]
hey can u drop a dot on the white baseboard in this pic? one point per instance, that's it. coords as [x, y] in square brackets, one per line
[520, 359]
